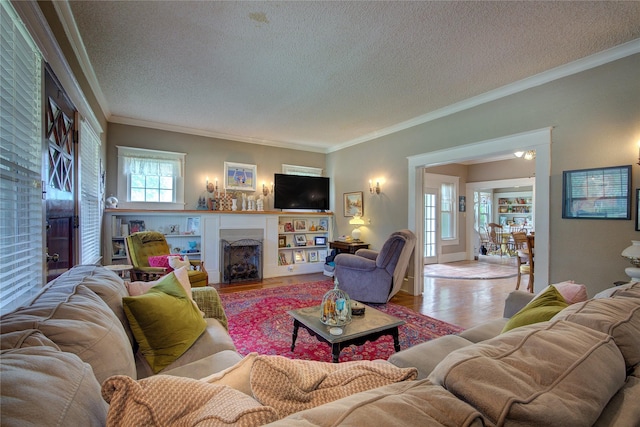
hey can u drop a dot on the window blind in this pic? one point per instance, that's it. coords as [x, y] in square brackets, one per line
[21, 216]
[90, 215]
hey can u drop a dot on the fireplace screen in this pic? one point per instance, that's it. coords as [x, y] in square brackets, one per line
[242, 260]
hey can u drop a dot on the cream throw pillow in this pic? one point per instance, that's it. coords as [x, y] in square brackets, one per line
[236, 376]
[175, 262]
[182, 274]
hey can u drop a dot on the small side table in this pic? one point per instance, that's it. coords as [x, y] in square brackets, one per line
[348, 247]
[120, 269]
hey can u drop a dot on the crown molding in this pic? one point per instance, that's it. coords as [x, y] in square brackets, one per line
[209, 134]
[39, 29]
[63, 9]
[583, 64]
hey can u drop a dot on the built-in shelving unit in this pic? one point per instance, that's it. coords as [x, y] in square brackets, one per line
[181, 231]
[514, 209]
[302, 240]
[197, 233]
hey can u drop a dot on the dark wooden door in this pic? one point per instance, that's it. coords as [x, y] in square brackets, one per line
[60, 178]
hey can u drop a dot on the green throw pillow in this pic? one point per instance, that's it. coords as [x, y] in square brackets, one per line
[542, 308]
[164, 321]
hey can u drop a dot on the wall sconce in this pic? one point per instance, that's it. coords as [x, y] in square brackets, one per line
[357, 221]
[265, 189]
[210, 187]
[375, 189]
[639, 152]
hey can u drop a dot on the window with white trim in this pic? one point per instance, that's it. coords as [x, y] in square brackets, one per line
[447, 211]
[150, 177]
[21, 214]
[90, 194]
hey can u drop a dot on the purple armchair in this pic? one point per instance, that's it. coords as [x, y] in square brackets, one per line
[375, 277]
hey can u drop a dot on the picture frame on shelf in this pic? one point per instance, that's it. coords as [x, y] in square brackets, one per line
[322, 255]
[598, 193]
[353, 204]
[300, 239]
[319, 240]
[193, 225]
[281, 227]
[300, 225]
[323, 224]
[118, 248]
[282, 241]
[288, 227]
[313, 256]
[240, 176]
[136, 225]
[282, 259]
[299, 257]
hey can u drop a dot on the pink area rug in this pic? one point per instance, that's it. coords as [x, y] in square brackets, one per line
[258, 322]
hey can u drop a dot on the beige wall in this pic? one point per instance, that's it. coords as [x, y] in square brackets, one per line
[205, 157]
[596, 122]
[503, 169]
[595, 117]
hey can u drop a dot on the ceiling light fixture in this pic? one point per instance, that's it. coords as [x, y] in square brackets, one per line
[528, 155]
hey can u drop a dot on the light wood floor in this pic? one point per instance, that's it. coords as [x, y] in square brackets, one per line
[464, 303]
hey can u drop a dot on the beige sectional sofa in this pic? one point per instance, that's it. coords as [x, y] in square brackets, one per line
[59, 348]
[580, 368]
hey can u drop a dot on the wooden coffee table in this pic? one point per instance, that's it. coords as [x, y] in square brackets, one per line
[369, 327]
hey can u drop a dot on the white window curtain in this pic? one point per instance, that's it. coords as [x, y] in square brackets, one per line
[21, 216]
[90, 212]
[141, 164]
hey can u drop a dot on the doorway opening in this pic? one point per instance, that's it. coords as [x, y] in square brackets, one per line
[538, 140]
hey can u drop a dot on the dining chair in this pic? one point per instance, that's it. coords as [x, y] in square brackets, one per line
[524, 245]
[495, 237]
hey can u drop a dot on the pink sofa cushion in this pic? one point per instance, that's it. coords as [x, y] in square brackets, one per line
[162, 261]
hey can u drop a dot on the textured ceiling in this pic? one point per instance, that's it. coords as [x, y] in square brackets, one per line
[320, 74]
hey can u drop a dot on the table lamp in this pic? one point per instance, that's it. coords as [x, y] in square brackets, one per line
[357, 221]
[633, 254]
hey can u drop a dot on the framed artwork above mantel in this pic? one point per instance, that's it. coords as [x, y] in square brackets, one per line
[240, 176]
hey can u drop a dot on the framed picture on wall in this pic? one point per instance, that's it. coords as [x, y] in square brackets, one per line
[240, 176]
[353, 204]
[601, 193]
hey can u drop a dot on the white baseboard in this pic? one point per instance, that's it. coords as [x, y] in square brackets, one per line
[458, 256]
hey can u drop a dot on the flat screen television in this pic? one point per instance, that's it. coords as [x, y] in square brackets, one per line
[301, 192]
